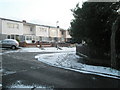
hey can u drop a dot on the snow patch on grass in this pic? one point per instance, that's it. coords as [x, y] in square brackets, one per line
[69, 60]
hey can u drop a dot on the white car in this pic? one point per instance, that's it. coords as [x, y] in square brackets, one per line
[9, 43]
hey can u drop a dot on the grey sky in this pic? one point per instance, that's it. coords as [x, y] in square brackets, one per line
[45, 12]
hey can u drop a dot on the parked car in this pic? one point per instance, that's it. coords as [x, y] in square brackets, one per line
[9, 43]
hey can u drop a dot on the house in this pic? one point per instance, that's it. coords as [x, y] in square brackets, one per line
[67, 36]
[42, 33]
[10, 29]
[29, 32]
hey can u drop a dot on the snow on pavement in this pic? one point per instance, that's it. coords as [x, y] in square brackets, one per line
[47, 49]
[25, 86]
[35, 49]
[69, 60]
[19, 85]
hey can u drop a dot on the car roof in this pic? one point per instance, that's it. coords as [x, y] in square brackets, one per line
[10, 40]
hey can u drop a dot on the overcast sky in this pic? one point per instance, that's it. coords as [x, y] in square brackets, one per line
[44, 12]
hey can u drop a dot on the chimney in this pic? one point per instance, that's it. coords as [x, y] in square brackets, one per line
[24, 21]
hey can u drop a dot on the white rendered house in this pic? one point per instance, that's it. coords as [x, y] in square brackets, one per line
[24, 31]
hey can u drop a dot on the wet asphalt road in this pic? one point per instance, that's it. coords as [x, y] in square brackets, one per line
[23, 67]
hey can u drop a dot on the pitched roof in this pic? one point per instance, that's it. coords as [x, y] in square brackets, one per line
[28, 23]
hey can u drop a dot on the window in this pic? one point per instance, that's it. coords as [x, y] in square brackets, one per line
[37, 38]
[62, 39]
[43, 30]
[4, 42]
[8, 37]
[17, 37]
[40, 38]
[12, 37]
[12, 25]
[30, 28]
[22, 38]
[55, 39]
[16, 26]
[28, 37]
[34, 37]
[62, 32]
[44, 38]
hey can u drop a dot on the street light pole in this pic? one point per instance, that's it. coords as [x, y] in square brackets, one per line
[115, 27]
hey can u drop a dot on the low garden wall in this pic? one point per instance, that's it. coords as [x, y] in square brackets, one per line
[24, 44]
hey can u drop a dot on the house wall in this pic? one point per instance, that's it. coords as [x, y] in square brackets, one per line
[28, 30]
[10, 27]
[0, 26]
[53, 32]
[67, 34]
[2, 36]
[62, 35]
[59, 33]
[42, 31]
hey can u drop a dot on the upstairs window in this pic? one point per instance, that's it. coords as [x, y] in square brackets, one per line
[43, 30]
[13, 25]
[16, 26]
[62, 32]
[10, 25]
[30, 28]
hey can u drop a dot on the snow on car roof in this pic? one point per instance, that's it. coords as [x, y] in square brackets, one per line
[11, 40]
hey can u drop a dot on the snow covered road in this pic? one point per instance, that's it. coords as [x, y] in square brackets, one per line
[67, 59]
[51, 68]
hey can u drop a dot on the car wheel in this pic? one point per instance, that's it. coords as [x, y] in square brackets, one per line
[13, 47]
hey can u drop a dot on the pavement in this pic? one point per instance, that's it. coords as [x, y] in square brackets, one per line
[23, 68]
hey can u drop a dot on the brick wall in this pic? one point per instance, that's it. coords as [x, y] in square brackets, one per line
[23, 44]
